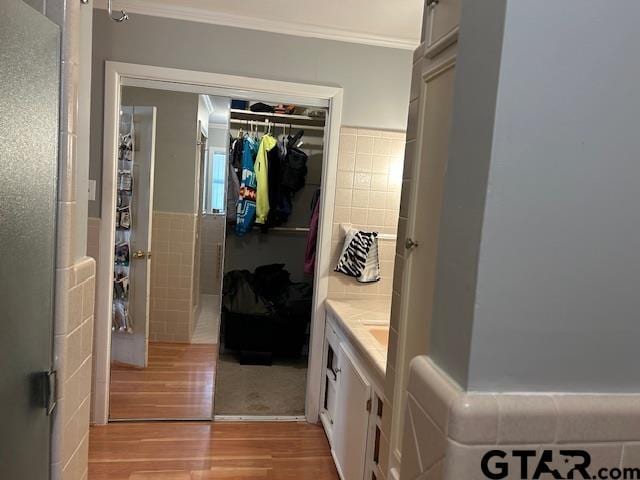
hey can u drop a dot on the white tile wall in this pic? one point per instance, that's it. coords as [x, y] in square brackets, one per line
[454, 429]
[75, 277]
[73, 346]
[171, 315]
[368, 197]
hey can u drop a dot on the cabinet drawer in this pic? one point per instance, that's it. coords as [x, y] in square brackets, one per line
[443, 16]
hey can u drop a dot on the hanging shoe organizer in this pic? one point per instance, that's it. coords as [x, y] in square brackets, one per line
[121, 318]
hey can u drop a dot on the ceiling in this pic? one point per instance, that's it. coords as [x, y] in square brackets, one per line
[390, 23]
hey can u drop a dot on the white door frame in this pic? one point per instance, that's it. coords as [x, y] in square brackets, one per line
[122, 74]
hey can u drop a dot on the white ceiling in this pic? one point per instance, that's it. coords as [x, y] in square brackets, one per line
[392, 23]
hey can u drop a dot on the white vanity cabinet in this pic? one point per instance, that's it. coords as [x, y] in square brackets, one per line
[349, 395]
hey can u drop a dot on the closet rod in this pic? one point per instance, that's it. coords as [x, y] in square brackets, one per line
[275, 124]
[286, 229]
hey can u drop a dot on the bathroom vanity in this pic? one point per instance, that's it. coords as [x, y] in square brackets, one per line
[355, 357]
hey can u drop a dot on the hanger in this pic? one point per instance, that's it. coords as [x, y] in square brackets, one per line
[123, 15]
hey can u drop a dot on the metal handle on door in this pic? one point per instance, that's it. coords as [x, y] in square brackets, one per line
[410, 244]
[139, 254]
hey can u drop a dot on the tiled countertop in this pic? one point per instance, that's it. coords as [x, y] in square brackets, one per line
[355, 317]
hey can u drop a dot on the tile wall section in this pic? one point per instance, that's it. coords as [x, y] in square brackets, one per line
[75, 276]
[368, 197]
[172, 265]
[73, 346]
[172, 273]
[447, 431]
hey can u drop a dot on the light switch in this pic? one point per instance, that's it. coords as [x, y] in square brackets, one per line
[92, 189]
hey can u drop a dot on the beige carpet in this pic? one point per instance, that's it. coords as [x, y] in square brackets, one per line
[278, 389]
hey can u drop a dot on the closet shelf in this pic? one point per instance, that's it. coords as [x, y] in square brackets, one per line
[275, 124]
[279, 118]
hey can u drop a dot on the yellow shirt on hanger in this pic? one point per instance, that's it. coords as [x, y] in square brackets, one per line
[262, 178]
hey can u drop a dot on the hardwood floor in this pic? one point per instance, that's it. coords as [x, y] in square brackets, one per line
[178, 383]
[207, 451]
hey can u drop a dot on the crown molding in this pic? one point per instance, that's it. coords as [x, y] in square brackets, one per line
[149, 7]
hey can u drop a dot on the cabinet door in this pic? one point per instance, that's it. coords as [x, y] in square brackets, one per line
[424, 202]
[425, 205]
[329, 388]
[442, 17]
[352, 418]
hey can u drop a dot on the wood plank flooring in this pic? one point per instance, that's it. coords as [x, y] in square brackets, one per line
[207, 451]
[178, 383]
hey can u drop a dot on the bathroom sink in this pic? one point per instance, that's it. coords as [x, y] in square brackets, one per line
[381, 334]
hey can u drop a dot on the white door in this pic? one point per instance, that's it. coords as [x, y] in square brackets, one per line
[352, 418]
[133, 348]
[424, 208]
[424, 211]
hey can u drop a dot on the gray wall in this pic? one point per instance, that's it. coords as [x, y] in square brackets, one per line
[176, 128]
[476, 88]
[556, 298]
[375, 79]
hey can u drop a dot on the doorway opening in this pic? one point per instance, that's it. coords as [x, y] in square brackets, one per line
[267, 296]
[163, 363]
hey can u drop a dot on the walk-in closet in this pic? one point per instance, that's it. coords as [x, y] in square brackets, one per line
[217, 210]
[269, 258]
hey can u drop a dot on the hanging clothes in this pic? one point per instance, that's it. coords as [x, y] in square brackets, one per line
[312, 237]
[236, 155]
[274, 160]
[246, 208]
[294, 173]
[233, 195]
[233, 177]
[262, 178]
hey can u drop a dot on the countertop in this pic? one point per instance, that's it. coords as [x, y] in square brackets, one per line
[356, 316]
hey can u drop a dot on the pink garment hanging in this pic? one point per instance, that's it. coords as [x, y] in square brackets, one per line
[312, 238]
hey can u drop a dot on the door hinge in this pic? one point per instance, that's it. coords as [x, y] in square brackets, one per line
[369, 405]
[46, 387]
